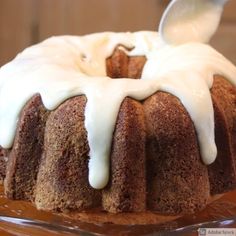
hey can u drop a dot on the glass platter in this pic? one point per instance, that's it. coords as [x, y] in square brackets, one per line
[21, 218]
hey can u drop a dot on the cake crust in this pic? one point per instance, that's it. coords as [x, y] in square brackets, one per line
[155, 158]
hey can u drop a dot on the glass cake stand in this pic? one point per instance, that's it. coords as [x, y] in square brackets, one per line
[21, 218]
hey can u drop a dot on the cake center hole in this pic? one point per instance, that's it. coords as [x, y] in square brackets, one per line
[120, 65]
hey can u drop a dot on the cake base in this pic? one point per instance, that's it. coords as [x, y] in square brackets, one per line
[141, 218]
[109, 224]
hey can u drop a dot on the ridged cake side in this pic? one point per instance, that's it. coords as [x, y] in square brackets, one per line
[155, 157]
[222, 173]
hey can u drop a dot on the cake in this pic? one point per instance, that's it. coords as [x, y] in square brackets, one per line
[118, 122]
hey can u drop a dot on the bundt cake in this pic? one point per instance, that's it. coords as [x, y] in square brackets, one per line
[156, 144]
[119, 122]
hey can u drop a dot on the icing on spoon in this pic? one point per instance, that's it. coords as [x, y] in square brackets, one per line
[190, 21]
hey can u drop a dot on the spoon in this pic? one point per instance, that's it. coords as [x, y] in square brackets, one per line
[190, 21]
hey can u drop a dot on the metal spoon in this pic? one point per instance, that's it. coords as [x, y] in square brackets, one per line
[190, 21]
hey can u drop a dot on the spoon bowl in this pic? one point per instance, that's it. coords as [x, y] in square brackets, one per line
[190, 21]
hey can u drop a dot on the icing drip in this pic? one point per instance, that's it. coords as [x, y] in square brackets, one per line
[66, 66]
[187, 72]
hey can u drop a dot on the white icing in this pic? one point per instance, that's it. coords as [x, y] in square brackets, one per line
[187, 72]
[190, 21]
[66, 66]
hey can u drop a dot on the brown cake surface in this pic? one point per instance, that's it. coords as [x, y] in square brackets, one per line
[155, 158]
